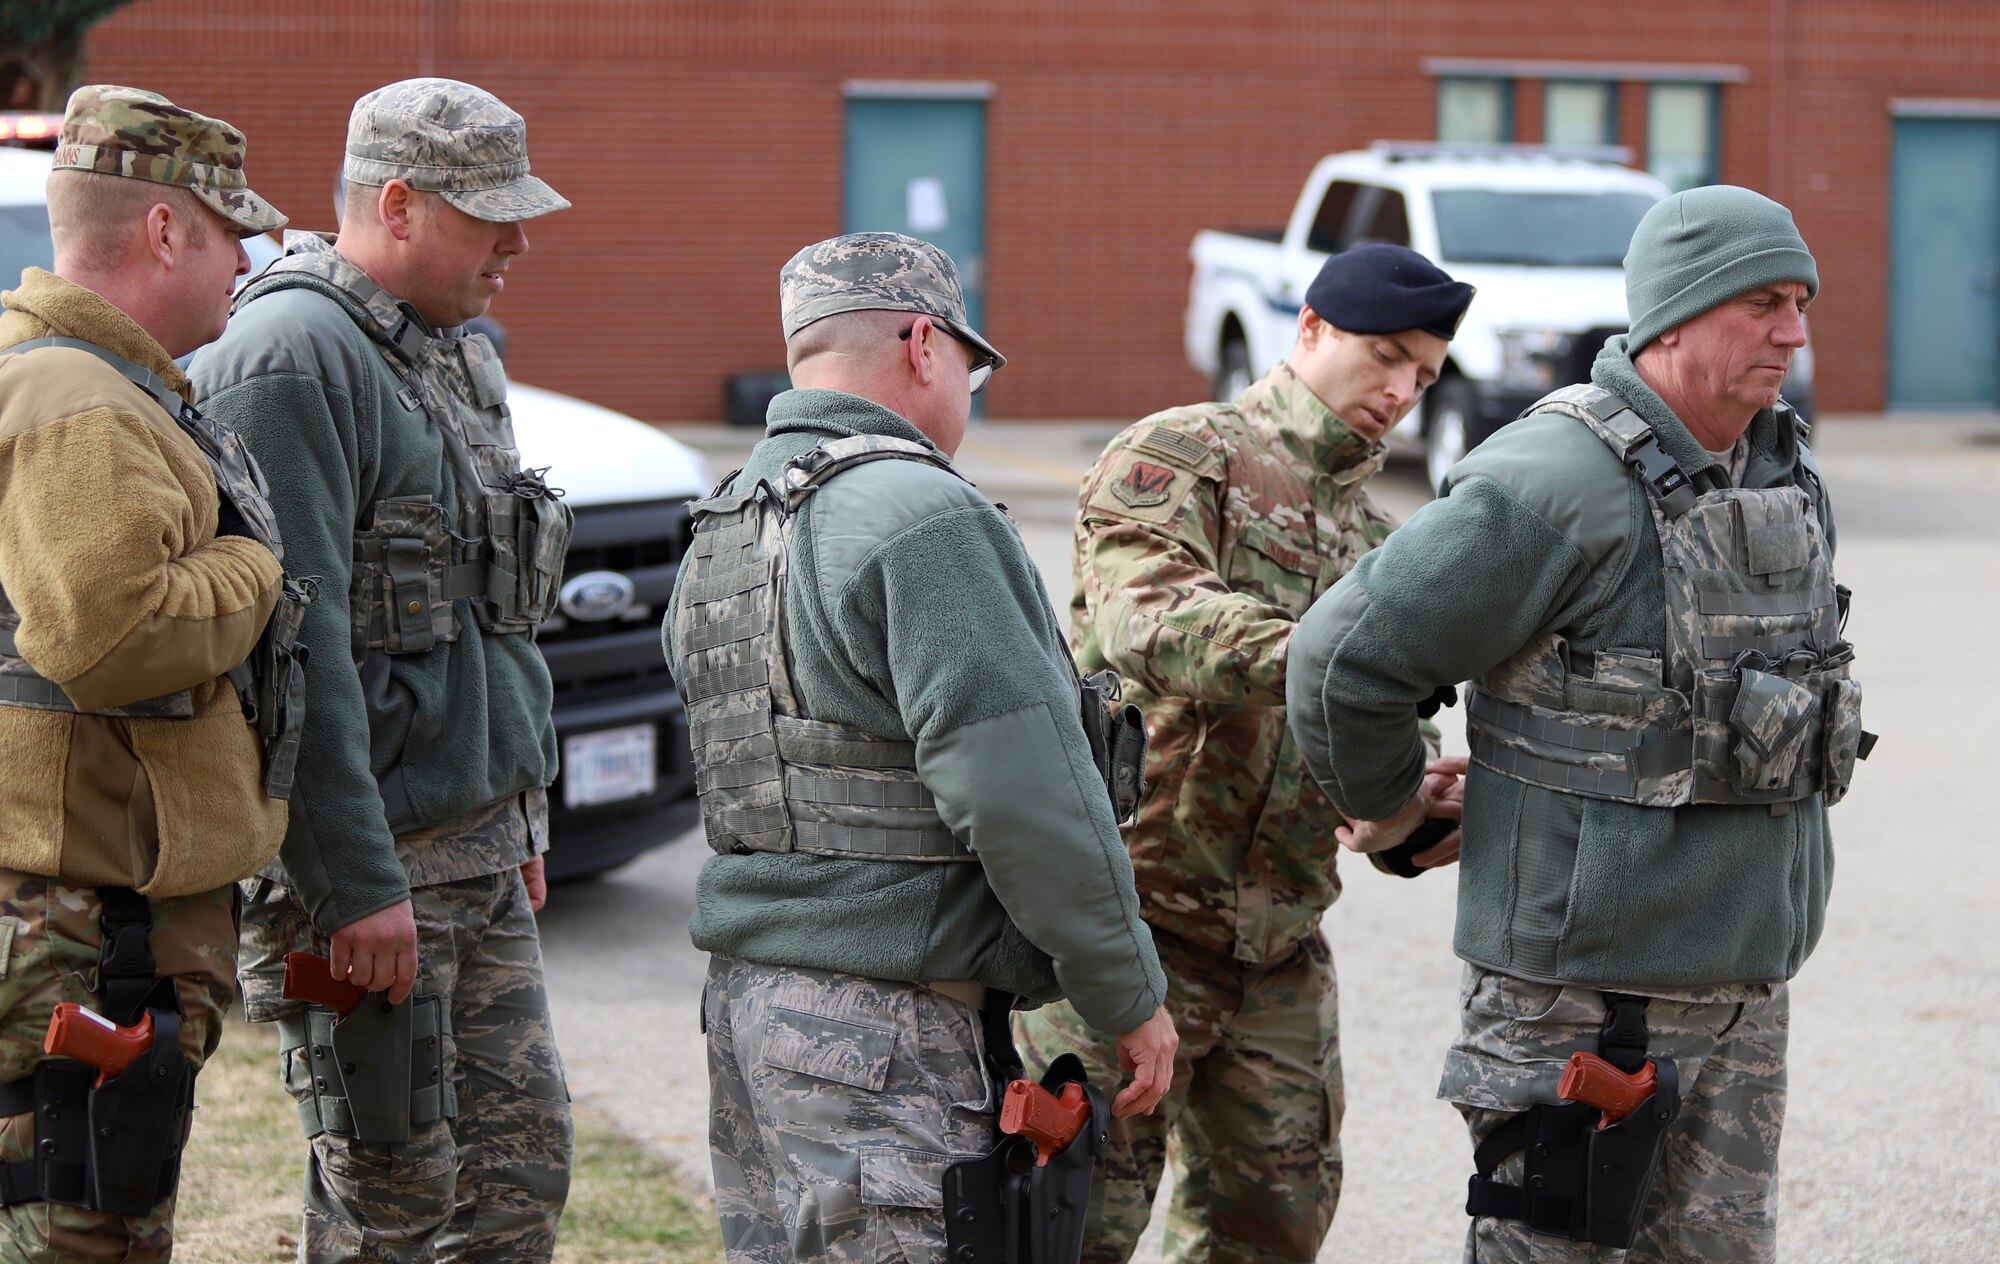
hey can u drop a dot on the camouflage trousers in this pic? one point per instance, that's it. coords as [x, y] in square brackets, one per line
[835, 1104]
[1256, 1105]
[1715, 1198]
[488, 1185]
[49, 945]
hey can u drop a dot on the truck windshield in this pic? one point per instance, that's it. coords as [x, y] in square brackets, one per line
[24, 241]
[1548, 230]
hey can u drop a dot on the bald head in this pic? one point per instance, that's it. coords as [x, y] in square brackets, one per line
[97, 220]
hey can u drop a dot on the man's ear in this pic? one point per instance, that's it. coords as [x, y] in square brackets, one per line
[1311, 327]
[396, 206]
[163, 233]
[923, 357]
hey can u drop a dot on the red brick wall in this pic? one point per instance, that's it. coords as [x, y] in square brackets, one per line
[701, 143]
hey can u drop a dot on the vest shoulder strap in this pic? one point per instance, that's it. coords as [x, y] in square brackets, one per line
[1627, 434]
[145, 379]
[837, 456]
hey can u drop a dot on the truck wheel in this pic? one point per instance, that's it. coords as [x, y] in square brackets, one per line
[1233, 377]
[1447, 428]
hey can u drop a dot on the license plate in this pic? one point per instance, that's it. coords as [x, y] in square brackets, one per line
[609, 765]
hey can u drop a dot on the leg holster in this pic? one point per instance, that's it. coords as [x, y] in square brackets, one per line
[1579, 1180]
[1004, 1209]
[376, 1074]
[112, 1145]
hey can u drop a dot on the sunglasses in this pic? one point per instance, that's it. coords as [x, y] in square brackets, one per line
[981, 371]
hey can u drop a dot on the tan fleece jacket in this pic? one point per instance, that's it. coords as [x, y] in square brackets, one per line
[108, 552]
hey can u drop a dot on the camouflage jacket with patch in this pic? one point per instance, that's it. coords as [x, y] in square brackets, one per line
[1203, 534]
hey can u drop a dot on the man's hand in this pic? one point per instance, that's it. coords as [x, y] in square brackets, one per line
[1444, 791]
[1367, 836]
[537, 883]
[378, 952]
[1147, 1051]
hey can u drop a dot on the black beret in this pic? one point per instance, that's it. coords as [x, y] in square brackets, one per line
[1384, 289]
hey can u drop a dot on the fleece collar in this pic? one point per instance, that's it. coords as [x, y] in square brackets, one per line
[46, 306]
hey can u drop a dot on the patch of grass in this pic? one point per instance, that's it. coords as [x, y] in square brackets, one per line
[242, 1178]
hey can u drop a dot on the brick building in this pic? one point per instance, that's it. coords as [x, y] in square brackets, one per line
[702, 141]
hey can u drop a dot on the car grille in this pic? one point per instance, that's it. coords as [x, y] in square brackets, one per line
[1582, 353]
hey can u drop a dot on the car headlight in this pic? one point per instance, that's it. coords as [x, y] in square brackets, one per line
[1528, 357]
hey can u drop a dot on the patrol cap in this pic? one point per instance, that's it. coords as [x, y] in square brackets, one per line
[141, 135]
[1383, 289]
[875, 272]
[449, 138]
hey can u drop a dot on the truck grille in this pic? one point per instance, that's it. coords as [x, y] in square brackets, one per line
[1582, 353]
[590, 660]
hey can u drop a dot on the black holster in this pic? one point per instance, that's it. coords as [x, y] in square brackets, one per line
[1117, 734]
[113, 1147]
[1580, 1181]
[1003, 1209]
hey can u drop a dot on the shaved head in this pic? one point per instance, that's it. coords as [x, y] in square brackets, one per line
[95, 218]
[863, 335]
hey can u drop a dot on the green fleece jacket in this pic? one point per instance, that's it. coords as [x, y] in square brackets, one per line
[914, 613]
[1543, 529]
[407, 740]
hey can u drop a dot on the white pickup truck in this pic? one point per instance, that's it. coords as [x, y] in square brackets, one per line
[627, 780]
[1540, 233]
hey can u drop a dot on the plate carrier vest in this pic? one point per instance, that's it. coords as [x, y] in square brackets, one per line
[1752, 703]
[271, 682]
[769, 778]
[411, 563]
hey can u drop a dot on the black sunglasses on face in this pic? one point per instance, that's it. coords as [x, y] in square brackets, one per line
[981, 371]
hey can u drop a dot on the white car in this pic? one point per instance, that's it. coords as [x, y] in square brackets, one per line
[627, 781]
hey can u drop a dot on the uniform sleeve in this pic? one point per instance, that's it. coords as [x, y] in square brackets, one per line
[952, 617]
[317, 455]
[123, 590]
[1457, 590]
[1148, 540]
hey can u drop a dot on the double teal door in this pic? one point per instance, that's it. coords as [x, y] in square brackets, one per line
[1944, 275]
[917, 165]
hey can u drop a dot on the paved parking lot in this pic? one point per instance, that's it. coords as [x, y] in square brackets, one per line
[1892, 1146]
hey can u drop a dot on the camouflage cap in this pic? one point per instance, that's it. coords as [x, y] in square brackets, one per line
[452, 139]
[129, 132]
[875, 272]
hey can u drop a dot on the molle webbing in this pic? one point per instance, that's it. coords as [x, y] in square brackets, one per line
[771, 779]
[1751, 679]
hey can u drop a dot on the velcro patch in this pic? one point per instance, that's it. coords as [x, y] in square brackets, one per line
[1181, 449]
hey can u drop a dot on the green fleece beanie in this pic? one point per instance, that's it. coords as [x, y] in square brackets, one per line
[1701, 248]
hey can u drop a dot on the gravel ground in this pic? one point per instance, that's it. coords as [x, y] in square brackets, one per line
[1892, 1147]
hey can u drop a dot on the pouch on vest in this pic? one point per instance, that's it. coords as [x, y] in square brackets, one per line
[1846, 743]
[400, 566]
[378, 1073]
[1772, 721]
[1004, 1208]
[272, 684]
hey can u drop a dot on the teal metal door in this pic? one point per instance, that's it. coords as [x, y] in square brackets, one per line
[917, 165]
[1944, 273]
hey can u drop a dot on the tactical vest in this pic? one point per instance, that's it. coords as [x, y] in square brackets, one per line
[411, 564]
[1752, 703]
[769, 778]
[270, 683]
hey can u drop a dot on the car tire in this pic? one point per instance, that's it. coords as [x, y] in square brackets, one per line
[1449, 419]
[1232, 377]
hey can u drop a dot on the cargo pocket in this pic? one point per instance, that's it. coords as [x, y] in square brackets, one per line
[1771, 723]
[1843, 738]
[902, 1196]
[828, 1048]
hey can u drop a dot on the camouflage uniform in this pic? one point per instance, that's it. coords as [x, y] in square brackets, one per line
[1203, 534]
[433, 743]
[138, 773]
[1715, 1197]
[836, 1102]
